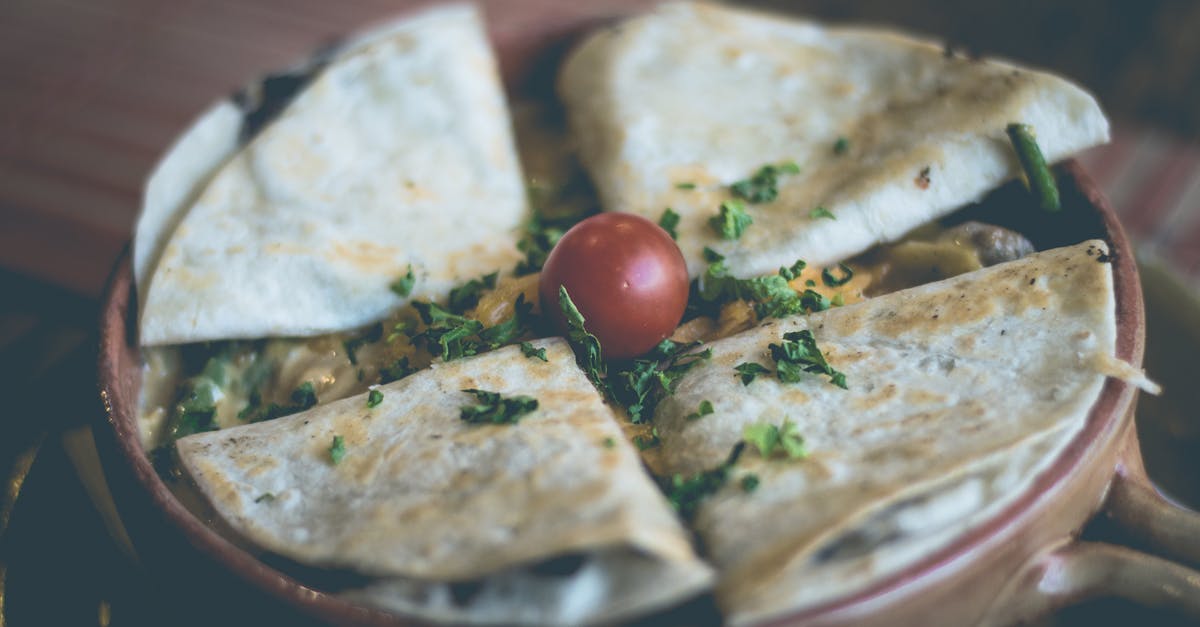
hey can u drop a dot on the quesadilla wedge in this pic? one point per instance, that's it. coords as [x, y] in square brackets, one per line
[958, 393]
[403, 489]
[398, 158]
[864, 134]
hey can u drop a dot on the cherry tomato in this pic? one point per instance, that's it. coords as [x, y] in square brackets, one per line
[625, 275]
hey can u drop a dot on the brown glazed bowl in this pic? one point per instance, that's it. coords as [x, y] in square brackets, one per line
[1023, 563]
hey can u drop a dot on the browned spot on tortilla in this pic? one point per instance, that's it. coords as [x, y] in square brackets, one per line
[875, 399]
[366, 256]
[921, 397]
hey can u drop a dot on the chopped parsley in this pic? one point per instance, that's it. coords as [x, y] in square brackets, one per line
[265, 497]
[749, 482]
[447, 330]
[374, 398]
[841, 146]
[337, 450]
[528, 350]
[821, 212]
[655, 376]
[669, 222]
[353, 344]
[687, 493]
[197, 408]
[466, 295]
[494, 408]
[790, 273]
[592, 361]
[685, 185]
[508, 331]
[750, 370]
[796, 355]
[770, 295]
[303, 397]
[610, 443]
[731, 220]
[396, 370]
[829, 279]
[644, 443]
[453, 336]
[763, 186]
[403, 286]
[774, 441]
[704, 409]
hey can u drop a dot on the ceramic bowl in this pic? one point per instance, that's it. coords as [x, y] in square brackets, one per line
[1022, 563]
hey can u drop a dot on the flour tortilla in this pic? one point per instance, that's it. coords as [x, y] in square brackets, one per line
[423, 498]
[399, 152]
[960, 393]
[706, 94]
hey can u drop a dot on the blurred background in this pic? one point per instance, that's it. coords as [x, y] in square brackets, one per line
[93, 91]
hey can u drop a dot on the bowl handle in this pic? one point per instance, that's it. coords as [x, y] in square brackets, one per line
[1076, 570]
[1150, 518]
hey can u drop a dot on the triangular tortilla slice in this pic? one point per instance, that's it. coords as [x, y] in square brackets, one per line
[399, 153]
[673, 107]
[423, 499]
[959, 393]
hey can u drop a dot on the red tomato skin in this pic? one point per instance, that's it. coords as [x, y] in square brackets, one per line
[626, 276]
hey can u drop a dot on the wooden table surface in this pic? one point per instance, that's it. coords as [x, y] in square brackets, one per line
[95, 90]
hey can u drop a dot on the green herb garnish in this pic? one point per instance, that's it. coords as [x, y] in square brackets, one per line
[750, 370]
[508, 331]
[396, 370]
[265, 497]
[496, 409]
[769, 439]
[685, 185]
[644, 443]
[763, 186]
[586, 345]
[337, 450]
[403, 286]
[770, 295]
[1037, 173]
[797, 354]
[731, 220]
[749, 483]
[830, 280]
[841, 146]
[303, 397]
[669, 221]
[687, 493]
[353, 344]
[790, 273]
[655, 376]
[821, 212]
[195, 411]
[467, 295]
[374, 398]
[530, 351]
[610, 443]
[705, 408]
